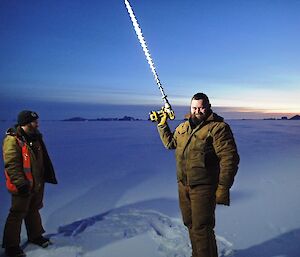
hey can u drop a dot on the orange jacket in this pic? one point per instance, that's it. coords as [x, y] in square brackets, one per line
[26, 168]
[20, 162]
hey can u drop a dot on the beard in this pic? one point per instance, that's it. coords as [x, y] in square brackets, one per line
[200, 117]
[32, 130]
[31, 134]
[197, 118]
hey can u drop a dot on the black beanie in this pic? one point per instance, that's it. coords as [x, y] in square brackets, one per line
[25, 117]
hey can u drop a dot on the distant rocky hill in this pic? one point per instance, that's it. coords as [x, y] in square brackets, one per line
[296, 117]
[76, 119]
[125, 118]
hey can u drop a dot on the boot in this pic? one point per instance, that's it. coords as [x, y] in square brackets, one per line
[15, 251]
[41, 241]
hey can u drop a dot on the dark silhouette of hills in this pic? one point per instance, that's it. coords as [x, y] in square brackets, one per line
[296, 117]
[125, 118]
[76, 119]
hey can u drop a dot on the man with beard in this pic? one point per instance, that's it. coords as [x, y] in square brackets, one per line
[207, 161]
[27, 168]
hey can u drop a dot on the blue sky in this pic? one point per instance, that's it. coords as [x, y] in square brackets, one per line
[243, 54]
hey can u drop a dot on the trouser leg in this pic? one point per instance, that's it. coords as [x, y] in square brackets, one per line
[197, 206]
[185, 207]
[203, 220]
[13, 225]
[33, 221]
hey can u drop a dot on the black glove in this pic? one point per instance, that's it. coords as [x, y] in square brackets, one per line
[23, 190]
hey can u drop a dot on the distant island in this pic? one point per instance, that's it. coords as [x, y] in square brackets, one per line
[296, 117]
[129, 118]
[125, 118]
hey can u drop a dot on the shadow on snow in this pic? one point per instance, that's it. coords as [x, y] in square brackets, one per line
[285, 245]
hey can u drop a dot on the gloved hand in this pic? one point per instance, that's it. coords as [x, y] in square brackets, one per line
[223, 195]
[162, 119]
[23, 190]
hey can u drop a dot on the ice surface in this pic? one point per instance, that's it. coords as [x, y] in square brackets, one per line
[117, 192]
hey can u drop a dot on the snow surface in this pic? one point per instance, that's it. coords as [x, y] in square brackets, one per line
[117, 192]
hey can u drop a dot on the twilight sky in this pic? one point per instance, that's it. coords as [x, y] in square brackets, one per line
[243, 54]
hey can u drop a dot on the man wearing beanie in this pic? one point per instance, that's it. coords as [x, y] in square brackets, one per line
[27, 168]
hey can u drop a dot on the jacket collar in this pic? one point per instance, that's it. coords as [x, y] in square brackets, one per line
[212, 117]
[18, 132]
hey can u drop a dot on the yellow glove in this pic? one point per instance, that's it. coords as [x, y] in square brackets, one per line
[223, 195]
[162, 118]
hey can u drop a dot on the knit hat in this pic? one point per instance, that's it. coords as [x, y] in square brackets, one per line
[25, 117]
